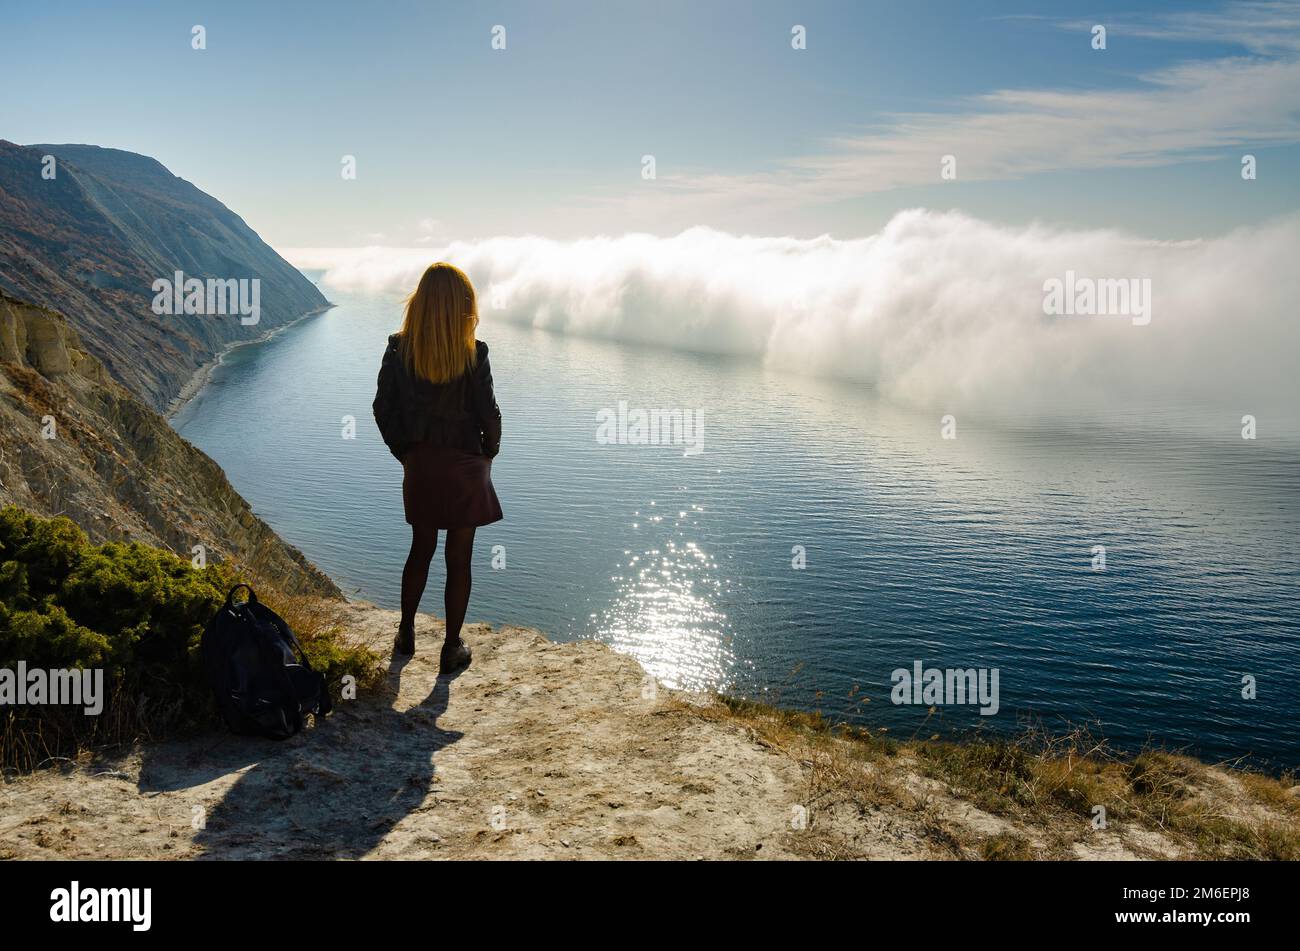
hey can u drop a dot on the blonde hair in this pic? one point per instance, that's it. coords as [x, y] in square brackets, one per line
[437, 335]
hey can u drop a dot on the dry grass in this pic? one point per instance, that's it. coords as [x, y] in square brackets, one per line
[33, 740]
[1238, 814]
[1044, 789]
[1006, 847]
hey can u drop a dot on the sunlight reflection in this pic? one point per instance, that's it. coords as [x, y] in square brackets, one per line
[664, 613]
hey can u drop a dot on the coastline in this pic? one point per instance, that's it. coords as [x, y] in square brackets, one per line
[199, 378]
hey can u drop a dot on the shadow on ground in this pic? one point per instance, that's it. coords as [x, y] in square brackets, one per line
[334, 791]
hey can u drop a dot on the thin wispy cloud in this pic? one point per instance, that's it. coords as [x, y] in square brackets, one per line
[1193, 111]
[1268, 27]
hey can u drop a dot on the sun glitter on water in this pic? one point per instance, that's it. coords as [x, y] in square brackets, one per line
[664, 613]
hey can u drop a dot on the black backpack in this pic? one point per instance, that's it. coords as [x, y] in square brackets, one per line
[258, 671]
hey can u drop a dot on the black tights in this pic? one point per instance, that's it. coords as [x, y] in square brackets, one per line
[424, 542]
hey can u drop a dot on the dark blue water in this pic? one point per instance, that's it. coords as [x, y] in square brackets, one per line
[972, 552]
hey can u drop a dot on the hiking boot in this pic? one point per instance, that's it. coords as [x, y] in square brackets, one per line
[405, 641]
[454, 657]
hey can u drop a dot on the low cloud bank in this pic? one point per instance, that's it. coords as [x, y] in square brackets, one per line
[936, 307]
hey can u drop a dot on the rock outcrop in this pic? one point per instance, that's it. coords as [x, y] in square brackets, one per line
[74, 442]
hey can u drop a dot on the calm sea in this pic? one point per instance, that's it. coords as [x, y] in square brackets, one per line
[974, 552]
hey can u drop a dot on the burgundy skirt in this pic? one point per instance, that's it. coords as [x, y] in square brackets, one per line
[448, 488]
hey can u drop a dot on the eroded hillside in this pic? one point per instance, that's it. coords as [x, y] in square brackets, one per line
[76, 443]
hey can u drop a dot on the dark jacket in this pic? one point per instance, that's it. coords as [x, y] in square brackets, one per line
[462, 414]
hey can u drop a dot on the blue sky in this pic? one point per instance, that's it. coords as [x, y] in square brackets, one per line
[456, 140]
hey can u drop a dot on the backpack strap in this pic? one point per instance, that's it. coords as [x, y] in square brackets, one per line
[230, 595]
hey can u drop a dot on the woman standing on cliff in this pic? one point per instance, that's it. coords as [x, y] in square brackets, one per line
[438, 415]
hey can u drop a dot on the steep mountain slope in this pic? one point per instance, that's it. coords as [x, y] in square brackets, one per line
[90, 242]
[74, 442]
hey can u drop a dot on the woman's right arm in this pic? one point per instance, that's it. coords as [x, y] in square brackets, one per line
[386, 406]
